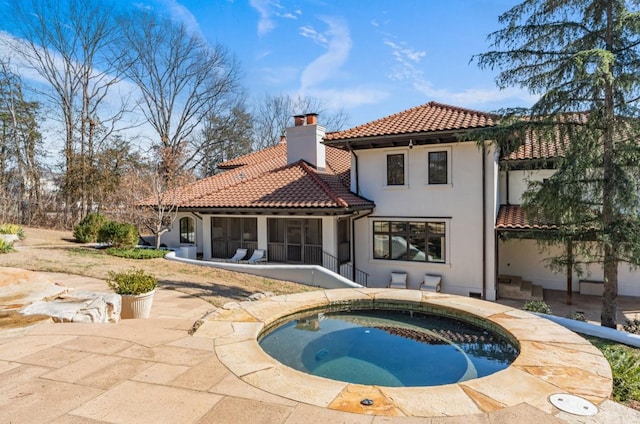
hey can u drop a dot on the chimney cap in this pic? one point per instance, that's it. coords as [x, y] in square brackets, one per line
[298, 120]
[312, 118]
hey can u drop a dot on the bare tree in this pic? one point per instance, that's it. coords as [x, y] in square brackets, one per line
[182, 80]
[151, 192]
[272, 115]
[225, 136]
[70, 44]
[20, 152]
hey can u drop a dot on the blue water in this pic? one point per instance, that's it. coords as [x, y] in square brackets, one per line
[388, 348]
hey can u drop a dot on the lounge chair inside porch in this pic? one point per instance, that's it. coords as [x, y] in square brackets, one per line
[259, 255]
[398, 280]
[432, 283]
[239, 255]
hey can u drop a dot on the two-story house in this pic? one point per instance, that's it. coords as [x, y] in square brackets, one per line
[402, 193]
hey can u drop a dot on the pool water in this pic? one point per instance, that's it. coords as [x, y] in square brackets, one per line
[388, 348]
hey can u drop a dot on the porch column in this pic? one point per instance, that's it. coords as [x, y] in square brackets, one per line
[206, 237]
[262, 232]
[330, 235]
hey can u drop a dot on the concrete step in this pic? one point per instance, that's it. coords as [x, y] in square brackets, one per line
[537, 293]
[513, 287]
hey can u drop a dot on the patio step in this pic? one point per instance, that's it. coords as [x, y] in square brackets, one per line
[514, 287]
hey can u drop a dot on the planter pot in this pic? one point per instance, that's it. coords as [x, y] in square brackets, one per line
[136, 306]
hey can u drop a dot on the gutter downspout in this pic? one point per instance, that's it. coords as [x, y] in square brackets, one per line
[353, 245]
[484, 223]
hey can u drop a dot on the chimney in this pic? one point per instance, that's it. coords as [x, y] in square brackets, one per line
[304, 141]
[298, 120]
[312, 118]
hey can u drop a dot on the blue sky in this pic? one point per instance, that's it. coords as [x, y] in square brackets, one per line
[370, 57]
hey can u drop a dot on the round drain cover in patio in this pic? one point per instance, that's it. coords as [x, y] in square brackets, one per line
[573, 404]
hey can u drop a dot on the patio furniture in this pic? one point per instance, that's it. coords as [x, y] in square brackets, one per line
[398, 280]
[259, 255]
[432, 283]
[239, 255]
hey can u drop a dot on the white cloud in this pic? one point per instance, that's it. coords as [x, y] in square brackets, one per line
[181, 14]
[474, 97]
[338, 45]
[309, 32]
[349, 98]
[268, 10]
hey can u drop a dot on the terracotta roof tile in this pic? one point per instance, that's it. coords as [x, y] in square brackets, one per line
[512, 217]
[264, 180]
[429, 117]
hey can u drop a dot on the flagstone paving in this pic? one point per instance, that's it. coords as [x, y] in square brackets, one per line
[150, 371]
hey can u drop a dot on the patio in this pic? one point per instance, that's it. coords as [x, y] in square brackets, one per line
[142, 371]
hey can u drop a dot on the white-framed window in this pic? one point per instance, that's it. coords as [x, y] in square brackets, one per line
[410, 240]
[187, 230]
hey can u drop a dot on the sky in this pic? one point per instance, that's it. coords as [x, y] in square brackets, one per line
[370, 58]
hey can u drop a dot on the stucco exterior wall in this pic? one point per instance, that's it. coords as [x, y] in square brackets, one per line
[459, 204]
[523, 258]
[518, 183]
[172, 238]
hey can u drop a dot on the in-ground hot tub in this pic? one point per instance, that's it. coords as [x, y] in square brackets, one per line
[385, 347]
[552, 359]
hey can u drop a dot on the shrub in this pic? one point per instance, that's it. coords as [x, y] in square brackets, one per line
[87, 230]
[136, 253]
[12, 229]
[537, 306]
[625, 367]
[632, 326]
[5, 246]
[577, 315]
[133, 282]
[118, 234]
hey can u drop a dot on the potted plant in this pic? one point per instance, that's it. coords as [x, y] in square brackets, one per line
[136, 288]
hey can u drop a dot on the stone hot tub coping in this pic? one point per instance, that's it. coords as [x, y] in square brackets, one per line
[552, 359]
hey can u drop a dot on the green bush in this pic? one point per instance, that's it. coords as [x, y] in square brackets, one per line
[137, 253]
[625, 367]
[12, 229]
[133, 282]
[87, 230]
[537, 306]
[6, 246]
[632, 326]
[577, 315]
[118, 234]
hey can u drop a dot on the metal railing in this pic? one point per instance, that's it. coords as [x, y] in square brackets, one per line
[345, 269]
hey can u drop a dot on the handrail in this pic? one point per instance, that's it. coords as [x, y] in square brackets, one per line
[345, 269]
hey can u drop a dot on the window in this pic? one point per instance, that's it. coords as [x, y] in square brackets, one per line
[409, 241]
[187, 230]
[438, 173]
[395, 169]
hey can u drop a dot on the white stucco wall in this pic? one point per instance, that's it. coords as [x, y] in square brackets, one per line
[172, 238]
[459, 204]
[518, 183]
[523, 258]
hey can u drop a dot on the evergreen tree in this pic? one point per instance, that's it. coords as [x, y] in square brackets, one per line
[582, 58]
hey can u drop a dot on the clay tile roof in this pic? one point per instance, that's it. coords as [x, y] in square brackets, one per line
[512, 217]
[264, 180]
[429, 117]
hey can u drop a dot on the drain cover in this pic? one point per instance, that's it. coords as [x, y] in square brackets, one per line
[573, 404]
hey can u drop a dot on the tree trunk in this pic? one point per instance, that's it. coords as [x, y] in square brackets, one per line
[608, 316]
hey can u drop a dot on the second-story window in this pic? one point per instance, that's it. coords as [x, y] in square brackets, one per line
[438, 172]
[395, 169]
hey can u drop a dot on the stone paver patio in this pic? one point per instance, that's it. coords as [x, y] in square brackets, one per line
[151, 371]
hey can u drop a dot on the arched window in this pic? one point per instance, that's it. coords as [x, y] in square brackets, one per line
[187, 230]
